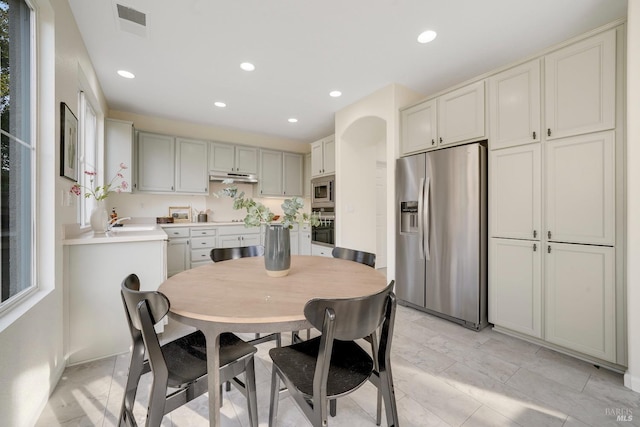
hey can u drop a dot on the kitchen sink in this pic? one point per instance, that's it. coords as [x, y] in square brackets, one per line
[134, 227]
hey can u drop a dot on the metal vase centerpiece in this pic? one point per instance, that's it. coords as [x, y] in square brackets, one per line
[277, 250]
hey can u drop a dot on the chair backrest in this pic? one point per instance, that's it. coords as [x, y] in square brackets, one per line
[132, 296]
[353, 255]
[224, 254]
[354, 317]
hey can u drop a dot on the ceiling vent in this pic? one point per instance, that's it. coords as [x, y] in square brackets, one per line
[131, 20]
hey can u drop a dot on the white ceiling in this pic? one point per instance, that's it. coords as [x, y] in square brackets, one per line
[189, 55]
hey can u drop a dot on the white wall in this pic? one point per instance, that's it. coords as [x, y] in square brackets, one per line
[31, 334]
[632, 377]
[375, 120]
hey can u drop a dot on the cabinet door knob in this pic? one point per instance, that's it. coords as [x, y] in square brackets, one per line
[534, 134]
[440, 140]
[549, 249]
[548, 234]
[535, 234]
[548, 131]
[535, 247]
[433, 141]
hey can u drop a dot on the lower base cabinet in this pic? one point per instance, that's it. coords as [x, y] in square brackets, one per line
[580, 298]
[95, 323]
[178, 251]
[560, 293]
[319, 250]
[515, 293]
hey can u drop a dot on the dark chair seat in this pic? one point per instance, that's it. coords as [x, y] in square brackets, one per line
[350, 366]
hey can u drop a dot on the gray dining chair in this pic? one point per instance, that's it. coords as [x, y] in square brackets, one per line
[179, 368]
[333, 365]
[362, 257]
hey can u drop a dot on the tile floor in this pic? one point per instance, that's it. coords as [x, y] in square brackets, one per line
[444, 375]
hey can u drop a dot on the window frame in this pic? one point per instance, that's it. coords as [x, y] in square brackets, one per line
[32, 77]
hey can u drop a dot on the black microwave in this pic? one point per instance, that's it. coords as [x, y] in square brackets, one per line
[323, 192]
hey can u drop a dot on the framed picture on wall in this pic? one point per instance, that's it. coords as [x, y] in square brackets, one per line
[180, 213]
[68, 143]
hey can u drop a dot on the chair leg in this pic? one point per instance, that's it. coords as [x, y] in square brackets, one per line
[389, 396]
[333, 407]
[157, 400]
[136, 367]
[275, 397]
[250, 385]
[374, 350]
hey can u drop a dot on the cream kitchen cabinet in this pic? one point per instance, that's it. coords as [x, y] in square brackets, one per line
[580, 298]
[178, 252]
[202, 241]
[419, 127]
[323, 157]
[171, 165]
[231, 236]
[233, 158]
[280, 173]
[156, 163]
[192, 169]
[515, 196]
[461, 115]
[307, 175]
[514, 106]
[119, 145]
[580, 189]
[453, 118]
[580, 87]
[515, 294]
[320, 250]
[304, 234]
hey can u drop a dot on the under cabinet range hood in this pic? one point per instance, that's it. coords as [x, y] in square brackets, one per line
[235, 176]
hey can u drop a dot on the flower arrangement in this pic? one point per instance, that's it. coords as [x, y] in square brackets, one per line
[258, 213]
[101, 192]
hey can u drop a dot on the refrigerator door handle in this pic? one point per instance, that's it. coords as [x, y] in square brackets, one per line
[421, 217]
[427, 211]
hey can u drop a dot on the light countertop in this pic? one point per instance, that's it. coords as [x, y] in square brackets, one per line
[134, 233]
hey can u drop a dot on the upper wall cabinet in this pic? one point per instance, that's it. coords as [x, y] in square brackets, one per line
[580, 87]
[323, 157]
[191, 166]
[514, 106]
[419, 127]
[167, 164]
[452, 118]
[119, 137]
[233, 158]
[280, 173]
[156, 162]
[461, 115]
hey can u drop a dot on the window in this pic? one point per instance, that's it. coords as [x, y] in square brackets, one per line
[17, 150]
[88, 155]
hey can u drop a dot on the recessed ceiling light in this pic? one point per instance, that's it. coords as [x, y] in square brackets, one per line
[427, 36]
[247, 66]
[126, 74]
[219, 104]
[293, 120]
[335, 93]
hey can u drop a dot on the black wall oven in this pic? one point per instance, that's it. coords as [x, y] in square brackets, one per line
[324, 233]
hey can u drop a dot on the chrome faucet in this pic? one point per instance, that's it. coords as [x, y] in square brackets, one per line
[113, 223]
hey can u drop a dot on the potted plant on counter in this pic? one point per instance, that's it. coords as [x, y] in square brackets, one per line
[277, 248]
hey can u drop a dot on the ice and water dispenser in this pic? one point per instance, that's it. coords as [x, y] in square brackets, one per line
[409, 217]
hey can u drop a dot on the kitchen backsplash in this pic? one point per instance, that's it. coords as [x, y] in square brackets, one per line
[154, 205]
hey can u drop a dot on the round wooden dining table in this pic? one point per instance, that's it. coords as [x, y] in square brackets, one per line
[239, 296]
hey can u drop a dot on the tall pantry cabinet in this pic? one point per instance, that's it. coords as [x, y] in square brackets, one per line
[555, 199]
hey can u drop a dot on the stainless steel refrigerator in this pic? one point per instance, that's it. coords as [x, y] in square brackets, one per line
[441, 242]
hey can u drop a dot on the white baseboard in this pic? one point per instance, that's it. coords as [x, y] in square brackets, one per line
[632, 382]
